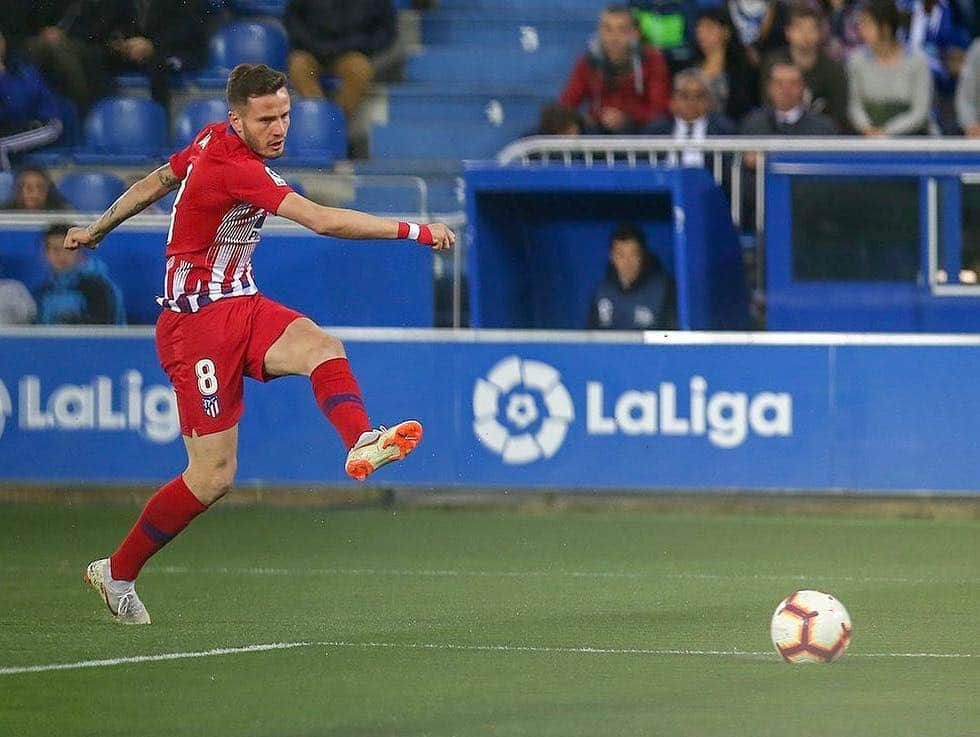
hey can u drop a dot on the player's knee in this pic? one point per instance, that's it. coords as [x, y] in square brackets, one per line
[212, 481]
[326, 349]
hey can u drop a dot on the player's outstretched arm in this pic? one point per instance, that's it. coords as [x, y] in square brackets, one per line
[137, 198]
[355, 225]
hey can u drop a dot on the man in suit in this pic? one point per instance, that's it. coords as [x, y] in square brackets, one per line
[690, 118]
[786, 114]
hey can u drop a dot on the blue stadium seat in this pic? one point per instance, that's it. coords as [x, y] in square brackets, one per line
[6, 186]
[195, 115]
[390, 199]
[244, 41]
[504, 32]
[479, 65]
[259, 7]
[317, 133]
[426, 139]
[422, 102]
[91, 191]
[124, 130]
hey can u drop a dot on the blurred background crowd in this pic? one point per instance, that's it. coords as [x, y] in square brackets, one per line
[95, 92]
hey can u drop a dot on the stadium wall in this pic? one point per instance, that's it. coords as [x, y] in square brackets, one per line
[574, 411]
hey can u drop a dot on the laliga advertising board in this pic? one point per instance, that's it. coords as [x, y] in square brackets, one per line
[570, 415]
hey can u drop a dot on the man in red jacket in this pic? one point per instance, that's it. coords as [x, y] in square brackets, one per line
[624, 84]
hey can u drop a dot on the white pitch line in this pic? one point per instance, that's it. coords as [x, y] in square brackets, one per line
[456, 573]
[11, 670]
[586, 650]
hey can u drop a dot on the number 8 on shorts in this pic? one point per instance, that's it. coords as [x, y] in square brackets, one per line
[207, 379]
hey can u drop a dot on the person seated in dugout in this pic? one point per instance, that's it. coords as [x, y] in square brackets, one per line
[637, 293]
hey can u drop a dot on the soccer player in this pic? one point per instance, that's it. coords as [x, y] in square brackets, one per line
[215, 327]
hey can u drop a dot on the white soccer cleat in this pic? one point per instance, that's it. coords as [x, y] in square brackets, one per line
[119, 596]
[377, 448]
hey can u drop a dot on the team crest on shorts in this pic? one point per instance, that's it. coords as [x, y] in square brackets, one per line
[210, 405]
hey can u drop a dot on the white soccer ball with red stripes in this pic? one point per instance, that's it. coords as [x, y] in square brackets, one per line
[810, 627]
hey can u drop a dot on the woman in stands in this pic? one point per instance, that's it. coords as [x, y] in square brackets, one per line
[34, 190]
[732, 81]
[890, 86]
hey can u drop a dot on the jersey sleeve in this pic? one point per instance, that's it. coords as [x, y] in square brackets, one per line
[258, 185]
[180, 160]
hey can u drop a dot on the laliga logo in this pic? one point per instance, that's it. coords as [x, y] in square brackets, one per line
[6, 406]
[537, 410]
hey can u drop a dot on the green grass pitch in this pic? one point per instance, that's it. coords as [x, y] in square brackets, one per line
[475, 622]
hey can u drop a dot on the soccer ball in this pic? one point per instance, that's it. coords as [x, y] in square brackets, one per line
[810, 627]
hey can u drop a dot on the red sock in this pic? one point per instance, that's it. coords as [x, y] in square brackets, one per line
[168, 512]
[340, 400]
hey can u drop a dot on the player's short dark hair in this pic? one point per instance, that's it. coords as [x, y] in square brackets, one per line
[802, 11]
[885, 14]
[58, 229]
[252, 80]
[620, 9]
[629, 232]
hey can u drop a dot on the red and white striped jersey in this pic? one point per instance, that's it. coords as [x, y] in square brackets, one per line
[225, 193]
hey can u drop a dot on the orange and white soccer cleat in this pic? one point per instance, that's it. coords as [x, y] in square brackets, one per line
[377, 448]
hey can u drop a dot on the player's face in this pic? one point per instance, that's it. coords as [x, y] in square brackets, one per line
[32, 190]
[263, 123]
[627, 259]
[803, 34]
[616, 33]
[690, 100]
[786, 87]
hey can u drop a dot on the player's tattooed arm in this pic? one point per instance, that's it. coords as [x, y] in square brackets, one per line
[168, 180]
[134, 200]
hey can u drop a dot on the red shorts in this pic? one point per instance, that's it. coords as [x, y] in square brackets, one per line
[207, 354]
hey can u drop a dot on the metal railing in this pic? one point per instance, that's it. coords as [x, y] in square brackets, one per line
[653, 150]
[734, 152]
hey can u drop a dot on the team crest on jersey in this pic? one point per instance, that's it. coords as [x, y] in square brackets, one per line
[275, 177]
[203, 143]
[211, 405]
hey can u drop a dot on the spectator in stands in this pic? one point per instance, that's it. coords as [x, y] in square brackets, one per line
[34, 190]
[155, 37]
[690, 117]
[637, 293]
[71, 66]
[787, 113]
[826, 81]
[760, 26]
[78, 290]
[622, 83]
[355, 42]
[17, 306]
[733, 83]
[29, 115]
[842, 16]
[936, 29]
[890, 89]
[968, 93]
[559, 120]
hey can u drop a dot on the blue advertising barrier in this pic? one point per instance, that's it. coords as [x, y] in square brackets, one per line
[507, 410]
[321, 277]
